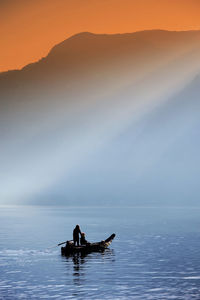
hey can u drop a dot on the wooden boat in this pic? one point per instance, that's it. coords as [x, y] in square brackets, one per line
[89, 247]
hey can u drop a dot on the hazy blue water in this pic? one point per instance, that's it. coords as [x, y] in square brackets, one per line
[156, 253]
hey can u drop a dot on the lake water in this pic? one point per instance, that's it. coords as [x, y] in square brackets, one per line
[155, 255]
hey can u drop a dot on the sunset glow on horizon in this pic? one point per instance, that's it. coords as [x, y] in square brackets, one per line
[29, 29]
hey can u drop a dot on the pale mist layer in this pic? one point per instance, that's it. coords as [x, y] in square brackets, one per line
[104, 120]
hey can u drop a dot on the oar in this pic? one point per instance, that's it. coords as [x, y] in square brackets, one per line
[64, 242]
[55, 246]
[61, 243]
[58, 244]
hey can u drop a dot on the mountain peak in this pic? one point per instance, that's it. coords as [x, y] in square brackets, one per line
[82, 34]
[155, 35]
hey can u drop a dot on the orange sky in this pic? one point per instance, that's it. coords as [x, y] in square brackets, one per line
[30, 28]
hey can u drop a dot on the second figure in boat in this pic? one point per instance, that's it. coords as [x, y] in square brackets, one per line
[83, 240]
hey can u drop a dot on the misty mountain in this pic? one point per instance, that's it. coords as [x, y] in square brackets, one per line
[104, 119]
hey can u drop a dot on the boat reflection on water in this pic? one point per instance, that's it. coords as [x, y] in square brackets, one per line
[81, 263]
[78, 260]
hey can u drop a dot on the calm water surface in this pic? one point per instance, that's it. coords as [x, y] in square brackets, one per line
[156, 253]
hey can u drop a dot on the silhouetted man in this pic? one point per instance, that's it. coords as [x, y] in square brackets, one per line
[76, 232]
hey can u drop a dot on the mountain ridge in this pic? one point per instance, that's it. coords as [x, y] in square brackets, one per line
[83, 35]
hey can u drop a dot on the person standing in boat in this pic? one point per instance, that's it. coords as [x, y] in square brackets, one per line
[76, 233]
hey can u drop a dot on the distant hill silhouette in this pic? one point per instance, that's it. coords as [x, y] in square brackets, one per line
[86, 51]
[103, 113]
